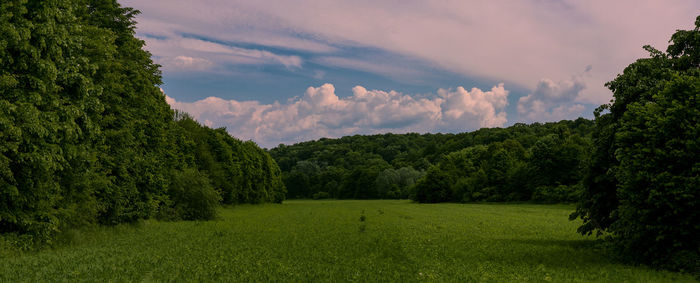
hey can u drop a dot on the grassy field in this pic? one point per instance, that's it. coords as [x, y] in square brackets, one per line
[337, 241]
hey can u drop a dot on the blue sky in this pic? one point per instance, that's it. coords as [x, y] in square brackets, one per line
[288, 71]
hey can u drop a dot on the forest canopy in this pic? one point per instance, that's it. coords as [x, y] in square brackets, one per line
[540, 162]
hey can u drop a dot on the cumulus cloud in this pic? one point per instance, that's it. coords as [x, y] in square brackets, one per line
[321, 113]
[552, 101]
[462, 105]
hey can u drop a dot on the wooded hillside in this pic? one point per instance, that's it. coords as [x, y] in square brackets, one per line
[540, 162]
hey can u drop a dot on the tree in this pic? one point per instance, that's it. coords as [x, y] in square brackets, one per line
[556, 164]
[434, 187]
[643, 182]
[387, 181]
[48, 117]
[496, 168]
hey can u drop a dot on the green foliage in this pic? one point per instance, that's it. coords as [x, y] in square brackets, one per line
[135, 121]
[192, 197]
[434, 187]
[240, 171]
[48, 118]
[643, 183]
[549, 171]
[396, 184]
[86, 135]
[321, 195]
[558, 159]
[485, 165]
[557, 194]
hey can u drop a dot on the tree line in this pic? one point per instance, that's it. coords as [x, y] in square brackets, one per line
[541, 162]
[87, 137]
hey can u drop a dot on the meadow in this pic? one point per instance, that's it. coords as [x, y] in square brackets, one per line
[334, 240]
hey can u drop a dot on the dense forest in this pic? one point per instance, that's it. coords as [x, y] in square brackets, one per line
[87, 137]
[541, 162]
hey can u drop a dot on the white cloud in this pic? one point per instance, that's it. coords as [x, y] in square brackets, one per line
[177, 53]
[321, 113]
[187, 63]
[218, 22]
[461, 106]
[552, 101]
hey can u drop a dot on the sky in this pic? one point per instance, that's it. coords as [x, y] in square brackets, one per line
[290, 71]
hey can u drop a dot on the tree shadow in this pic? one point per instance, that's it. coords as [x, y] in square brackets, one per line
[574, 244]
[556, 253]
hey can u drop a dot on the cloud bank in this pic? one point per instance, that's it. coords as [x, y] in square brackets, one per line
[261, 49]
[519, 42]
[321, 113]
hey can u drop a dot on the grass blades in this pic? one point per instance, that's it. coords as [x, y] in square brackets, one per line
[333, 241]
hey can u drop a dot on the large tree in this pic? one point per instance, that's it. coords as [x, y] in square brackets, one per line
[48, 111]
[643, 182]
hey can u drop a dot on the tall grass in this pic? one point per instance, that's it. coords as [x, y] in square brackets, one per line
[337, 241]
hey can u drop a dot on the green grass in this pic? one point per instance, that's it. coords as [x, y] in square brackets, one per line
[327, 241]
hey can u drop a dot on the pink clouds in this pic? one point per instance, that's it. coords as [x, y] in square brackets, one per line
[518, 42]
[553, 101]
[321, 113]
[463, 106]
[178, 53]
[538, 46]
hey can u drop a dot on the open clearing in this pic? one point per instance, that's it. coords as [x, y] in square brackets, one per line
[377, 240]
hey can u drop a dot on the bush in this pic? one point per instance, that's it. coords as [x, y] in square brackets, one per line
[321, 195]
[192, 197]
[556, 194]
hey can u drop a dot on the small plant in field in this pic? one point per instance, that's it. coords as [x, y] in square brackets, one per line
[363, 225]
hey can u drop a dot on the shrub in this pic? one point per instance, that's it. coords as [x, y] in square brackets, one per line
[556, 194]
[321, 195]
[192, 196]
